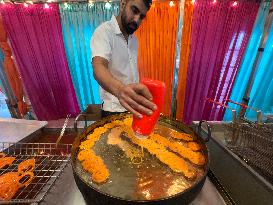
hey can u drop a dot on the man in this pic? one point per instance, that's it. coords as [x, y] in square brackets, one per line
[114, 58]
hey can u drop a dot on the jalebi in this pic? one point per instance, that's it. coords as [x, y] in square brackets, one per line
[10, 183]
[128, 121]
[85, 154]
[156, 145]
[195, 157]
[87, 144]
[194, 146]
[6, 161]
[181, 136]
[96, 167]
[89, 160]
[10, 177]
[93, 138]
[8, 190]
[27, 165]
[28, 174]
[2, 154]
[176, 163]
[117, 123]
[100, 176]
[109, 126]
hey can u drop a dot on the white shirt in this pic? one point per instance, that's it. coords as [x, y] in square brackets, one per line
[108, 42]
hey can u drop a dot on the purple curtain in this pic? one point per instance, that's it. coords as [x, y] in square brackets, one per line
[220, 34]
[35, 34]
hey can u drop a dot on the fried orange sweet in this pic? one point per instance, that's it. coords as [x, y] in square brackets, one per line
[109, 126]
[8, 190]
[10, 177]
[27, 165]
[128, 121]
[87, 144]
[181, 136]
[195, 157]
[194, 146]
[10, 183]
[176, 163]
[6, 161]
[89, 160]
[85, 154]
[100, 176]
[29, 175]
[96, 167]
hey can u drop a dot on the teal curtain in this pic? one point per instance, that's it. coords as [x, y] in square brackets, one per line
[4, 85]
[1, 68]
[243, 75]
[261, 95]
[78, 24]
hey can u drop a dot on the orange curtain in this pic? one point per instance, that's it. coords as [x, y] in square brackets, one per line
[11, 71]
[184, 57]
[157, 43]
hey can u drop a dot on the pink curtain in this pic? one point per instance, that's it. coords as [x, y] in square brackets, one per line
[36, 38]
[220, 33]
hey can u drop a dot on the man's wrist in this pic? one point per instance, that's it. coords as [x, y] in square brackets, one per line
[117, 89]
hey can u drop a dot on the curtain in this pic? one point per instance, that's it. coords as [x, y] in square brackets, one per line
[78, 24]
[12, 74]
[5, 90]
[36, 38]
[220, 32]
[184, 57]
[157, 43]
[4, 111]
[2, 79]
[244, 72]
[261, 95]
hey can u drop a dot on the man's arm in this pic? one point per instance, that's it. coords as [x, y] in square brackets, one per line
[135, 98]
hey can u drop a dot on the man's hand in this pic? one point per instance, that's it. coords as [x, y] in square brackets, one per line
[137, 99]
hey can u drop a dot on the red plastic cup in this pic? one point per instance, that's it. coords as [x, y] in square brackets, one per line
[144, 126]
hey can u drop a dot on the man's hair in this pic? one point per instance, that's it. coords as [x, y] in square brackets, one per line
[147, 3]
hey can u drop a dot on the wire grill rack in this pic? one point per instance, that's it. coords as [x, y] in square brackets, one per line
[50, 162]
[253, 142]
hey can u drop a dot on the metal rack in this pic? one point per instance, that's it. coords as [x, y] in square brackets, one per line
[50, 162]
[251, 141]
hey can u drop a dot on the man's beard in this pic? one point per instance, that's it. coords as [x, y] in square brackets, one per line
[129, 28]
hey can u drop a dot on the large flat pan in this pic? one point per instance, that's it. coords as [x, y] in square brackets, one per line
[150, 182]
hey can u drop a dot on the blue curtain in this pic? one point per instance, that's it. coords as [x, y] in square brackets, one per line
[78, 24]
[261, 95]
[1, 68]
[4, 85]
[243, 75]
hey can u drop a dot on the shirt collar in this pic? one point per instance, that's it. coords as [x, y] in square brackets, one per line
[115, 25]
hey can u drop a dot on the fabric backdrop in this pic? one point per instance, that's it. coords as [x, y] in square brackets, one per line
[36, 38]
[79, 22]
[244, 72]
[157, 43]
[220, 32]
